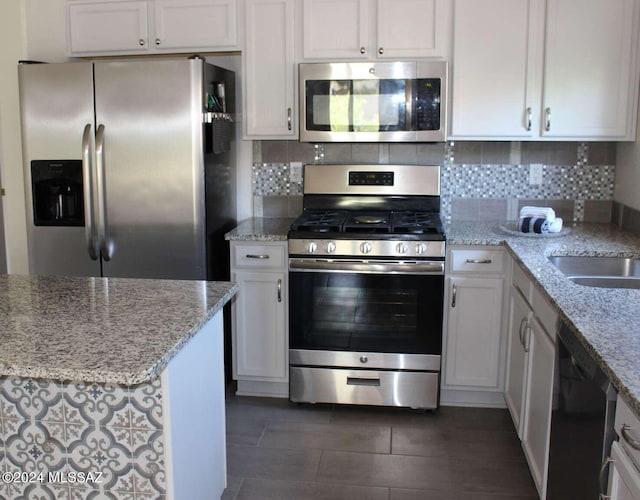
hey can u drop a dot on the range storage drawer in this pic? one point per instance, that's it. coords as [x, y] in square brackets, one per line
[477, 261]
[260, 256]
[367, 387]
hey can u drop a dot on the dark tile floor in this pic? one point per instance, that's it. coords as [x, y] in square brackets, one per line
[279, 450]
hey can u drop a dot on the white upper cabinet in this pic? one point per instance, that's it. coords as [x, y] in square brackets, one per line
[269, 89]
[97, 27]
[369, 29]
[158, 26]
[495, 77]
[335, 29]
[558, 70]
[590, 69]
[195, 23]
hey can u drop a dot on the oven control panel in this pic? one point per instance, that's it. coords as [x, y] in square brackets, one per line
[370, 248]
[361, 178]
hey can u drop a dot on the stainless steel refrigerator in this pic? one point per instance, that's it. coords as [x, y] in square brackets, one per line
[129, 167]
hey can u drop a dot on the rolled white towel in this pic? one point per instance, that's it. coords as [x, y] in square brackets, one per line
[538, 225]
[543, 212]
[556, 225]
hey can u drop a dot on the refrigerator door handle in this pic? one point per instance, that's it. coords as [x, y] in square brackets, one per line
[87, 181]
[105, 248]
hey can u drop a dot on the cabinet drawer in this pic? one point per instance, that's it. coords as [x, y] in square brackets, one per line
[477, 261]
[626, 417]
[522, 282]
[259, 256]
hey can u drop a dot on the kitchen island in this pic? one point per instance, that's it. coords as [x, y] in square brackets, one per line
[111, 387]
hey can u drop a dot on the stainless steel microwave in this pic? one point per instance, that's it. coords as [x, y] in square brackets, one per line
[373, 102]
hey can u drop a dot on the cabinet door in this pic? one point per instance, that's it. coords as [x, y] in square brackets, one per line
[98, 27]
[495, 79]
[538, 398]
[259, 326]
[335, 29]
[195, 24]
[590, 61]
[519, 317]
[413, 28]
[269, 79]
[473, 333]
[624, 478]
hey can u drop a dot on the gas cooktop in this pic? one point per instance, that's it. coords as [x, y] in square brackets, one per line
[369, 223]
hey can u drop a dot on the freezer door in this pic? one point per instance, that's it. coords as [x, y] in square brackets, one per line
[56, 102]
[150, 158]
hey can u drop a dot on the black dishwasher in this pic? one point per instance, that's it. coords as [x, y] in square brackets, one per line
[581, 422]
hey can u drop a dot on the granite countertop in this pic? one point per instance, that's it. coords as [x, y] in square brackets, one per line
[605, 320]
[104, 330]
[261, 229]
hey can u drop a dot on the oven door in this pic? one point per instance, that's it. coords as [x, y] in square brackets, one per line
[376, 314]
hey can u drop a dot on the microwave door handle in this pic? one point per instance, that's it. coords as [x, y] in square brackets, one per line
[87, 186]
[410, 104]
[102, 202]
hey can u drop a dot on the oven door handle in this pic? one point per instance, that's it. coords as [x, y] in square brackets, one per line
[362, 266]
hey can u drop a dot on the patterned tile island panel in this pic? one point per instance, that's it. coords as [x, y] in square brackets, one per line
[75, 440]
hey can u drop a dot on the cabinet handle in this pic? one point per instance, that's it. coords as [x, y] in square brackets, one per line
[521, 332]
[380, 51]
[254, 256]
[529, 114]
[453, 295]
[547, 120]
[479, 261]
[601, 486]
[371, 382]
[279, 290]
[635, 444]
[526, 335]
[289, 118]
[141, 42]
[158, 41]
[362, 50]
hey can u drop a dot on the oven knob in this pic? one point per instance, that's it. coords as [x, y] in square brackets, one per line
[421, 248]
[365, 247]
[364, 359]
[401, 248]
[312, 247]
[331, 247]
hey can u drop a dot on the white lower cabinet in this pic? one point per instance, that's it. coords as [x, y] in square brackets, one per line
[537, 403]
[624, 477]
[624, 462]
[530, 371]
[520, 314]
[259, 318]
[473, 343]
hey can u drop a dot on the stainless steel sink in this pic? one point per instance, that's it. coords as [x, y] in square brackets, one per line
[604, 272]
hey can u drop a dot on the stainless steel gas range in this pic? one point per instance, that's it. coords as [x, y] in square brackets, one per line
[366, 286]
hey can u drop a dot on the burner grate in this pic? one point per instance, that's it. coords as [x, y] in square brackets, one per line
[322, 221]
[416, 223]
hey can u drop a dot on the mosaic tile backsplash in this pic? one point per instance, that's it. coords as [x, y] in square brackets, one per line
[478, 180]
[81, 441]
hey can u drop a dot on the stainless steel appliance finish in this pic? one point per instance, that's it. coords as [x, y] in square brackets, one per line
[157, 201]
[366, 276]
[582, 423]
[368, 387]
[373, 101]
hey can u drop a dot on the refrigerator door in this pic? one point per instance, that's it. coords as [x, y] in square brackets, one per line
[150, 171]
[56, 102]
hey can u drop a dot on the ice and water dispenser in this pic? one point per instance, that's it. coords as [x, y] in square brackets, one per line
[57, 192]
